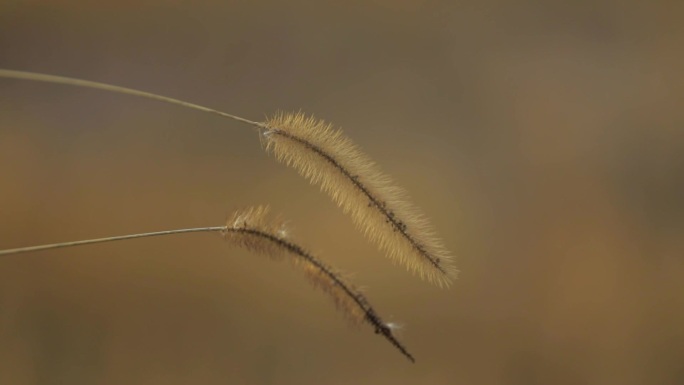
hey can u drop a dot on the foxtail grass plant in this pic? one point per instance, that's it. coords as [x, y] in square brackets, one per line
[327, 158]
[253, 230]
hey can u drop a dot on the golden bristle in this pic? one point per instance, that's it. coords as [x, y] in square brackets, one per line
[238, 226]
[380, 209]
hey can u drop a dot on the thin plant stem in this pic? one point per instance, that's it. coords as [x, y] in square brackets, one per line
[29, 249]
[13, 74]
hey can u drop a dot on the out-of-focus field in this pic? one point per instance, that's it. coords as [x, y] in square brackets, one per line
[544, 141]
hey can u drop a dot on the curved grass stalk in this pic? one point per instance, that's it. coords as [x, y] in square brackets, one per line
[251, 230]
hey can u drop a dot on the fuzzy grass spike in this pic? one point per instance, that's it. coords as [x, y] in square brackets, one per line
[252, 230]
[380, 209]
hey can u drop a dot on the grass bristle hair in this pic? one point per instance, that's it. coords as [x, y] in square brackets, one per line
[380, 209]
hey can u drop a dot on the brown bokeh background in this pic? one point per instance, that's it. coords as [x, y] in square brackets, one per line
[544, 140]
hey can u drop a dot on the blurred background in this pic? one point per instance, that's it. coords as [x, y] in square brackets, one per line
[544, 140]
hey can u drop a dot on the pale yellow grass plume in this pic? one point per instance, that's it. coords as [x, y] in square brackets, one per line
[329, 159]
[253, 230]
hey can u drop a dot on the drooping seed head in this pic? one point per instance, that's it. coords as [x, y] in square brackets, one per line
[377, 206]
